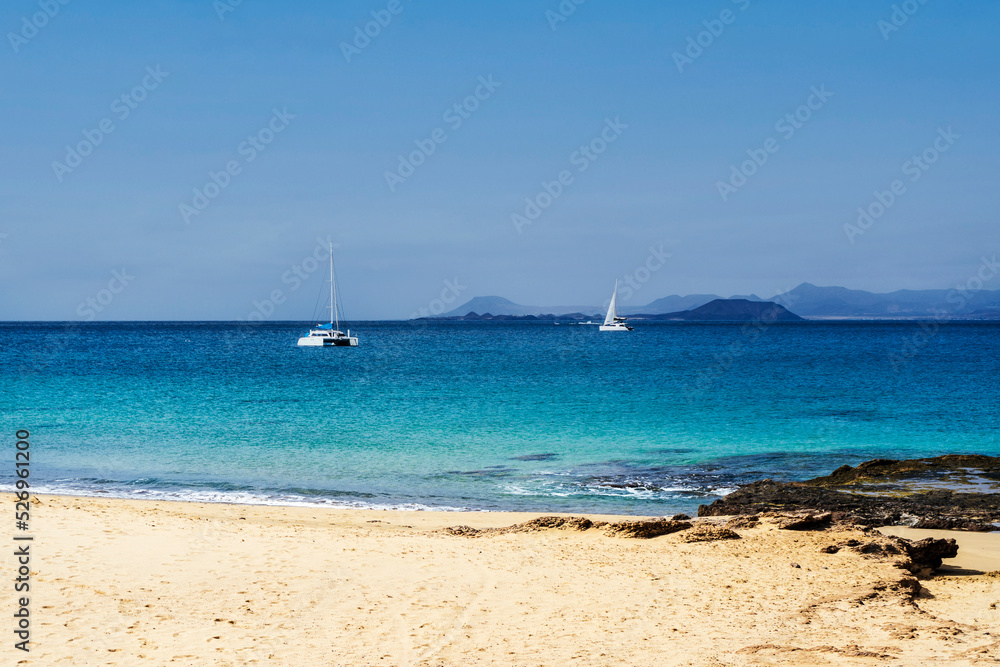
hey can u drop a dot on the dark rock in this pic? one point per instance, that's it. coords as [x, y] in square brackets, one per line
[807, 521]
[948, 523]
[707, 532]
[535, 457]
[889, 502]
[910, 585]
[645, 529]
[680, 517]
[926, 554]
[918, 557]
[745, 521]
[877, 549]
[885, 470]
[541, 523]
[549, 522]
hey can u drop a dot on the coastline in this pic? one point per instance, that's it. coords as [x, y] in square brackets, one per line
[153, 582]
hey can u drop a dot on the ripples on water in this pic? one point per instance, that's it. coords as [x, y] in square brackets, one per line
[515, 416]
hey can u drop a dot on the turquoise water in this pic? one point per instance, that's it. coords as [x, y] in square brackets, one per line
[500, 416]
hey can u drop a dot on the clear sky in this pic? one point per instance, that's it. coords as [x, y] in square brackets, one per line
[328, 122]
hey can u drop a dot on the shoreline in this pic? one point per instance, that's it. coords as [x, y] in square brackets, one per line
[129, 582]
[321, 504]
[260, 500]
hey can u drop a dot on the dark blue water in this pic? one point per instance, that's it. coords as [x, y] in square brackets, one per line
[513, 416]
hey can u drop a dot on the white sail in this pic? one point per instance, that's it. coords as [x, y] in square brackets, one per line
[610, 317]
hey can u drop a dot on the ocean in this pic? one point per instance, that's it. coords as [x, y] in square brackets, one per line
[528, 416]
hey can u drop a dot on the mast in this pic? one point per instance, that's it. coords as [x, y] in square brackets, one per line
[334, 317]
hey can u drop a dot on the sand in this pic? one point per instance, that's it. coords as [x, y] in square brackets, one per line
[120, 582]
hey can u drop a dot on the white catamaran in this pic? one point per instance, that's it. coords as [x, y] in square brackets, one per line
[611, 321]
[330, 335]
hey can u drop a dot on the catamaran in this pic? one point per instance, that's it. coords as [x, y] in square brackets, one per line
[611, 321]
[330, 335]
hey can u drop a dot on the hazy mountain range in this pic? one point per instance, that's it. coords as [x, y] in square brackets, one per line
[806, 300]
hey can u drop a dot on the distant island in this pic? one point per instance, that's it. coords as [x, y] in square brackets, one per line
[806, 301]
[730, 310]
[719, 310]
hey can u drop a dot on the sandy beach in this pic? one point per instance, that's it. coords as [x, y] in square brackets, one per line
[118, 582]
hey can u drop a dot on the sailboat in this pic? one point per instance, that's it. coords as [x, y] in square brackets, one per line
[611, 321]
[330, 335]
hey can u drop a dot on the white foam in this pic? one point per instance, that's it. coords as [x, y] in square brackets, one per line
[239, 498]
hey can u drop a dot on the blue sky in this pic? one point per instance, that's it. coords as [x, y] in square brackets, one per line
[344, 122]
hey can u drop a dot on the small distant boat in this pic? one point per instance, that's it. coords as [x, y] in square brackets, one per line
[330, 335]
[611, 321]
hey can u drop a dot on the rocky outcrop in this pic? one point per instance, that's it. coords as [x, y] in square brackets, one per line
[926, 554]
[550, 522]
[541, 523]
[708, 532]
[645, 529]
[920, 557]
[937, 508]
[743, 521]
[804, 520]
[883, 471]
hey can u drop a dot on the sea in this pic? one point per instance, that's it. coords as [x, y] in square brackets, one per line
[528, 416]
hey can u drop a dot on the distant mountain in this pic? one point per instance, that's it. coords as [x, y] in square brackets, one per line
[497, 305]
[476, 317]
[732, 310]
[670, 304]
[838, 302]
[806, 300]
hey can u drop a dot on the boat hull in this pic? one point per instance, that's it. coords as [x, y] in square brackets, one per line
[615, 327]
[324, 341]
